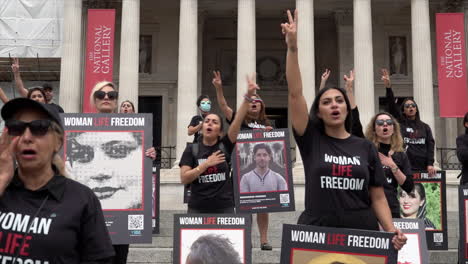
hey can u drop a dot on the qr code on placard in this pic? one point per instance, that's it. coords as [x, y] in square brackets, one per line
[284, 198]
[135, 222]
[438, 237]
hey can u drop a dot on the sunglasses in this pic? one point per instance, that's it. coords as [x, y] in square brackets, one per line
[37, 127]
[410, 105]
[381, 122]
[254, 101]
[112, 95]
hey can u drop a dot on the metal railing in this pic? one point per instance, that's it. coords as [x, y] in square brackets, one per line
[448, 159]
[166, 157]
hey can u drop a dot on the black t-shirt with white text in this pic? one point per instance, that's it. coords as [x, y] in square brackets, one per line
[338, 172]
[254, 124]
[69, 228]
[195, 122]
[213, 188]
[391, 186]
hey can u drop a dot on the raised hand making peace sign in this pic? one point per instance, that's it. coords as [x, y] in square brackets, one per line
[290, 30]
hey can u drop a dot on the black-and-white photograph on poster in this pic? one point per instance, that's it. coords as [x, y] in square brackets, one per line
[202, 238]
[262, 173]
[463, 216]
[106, 152]
[302, 244]
[156, 202]
[427, 202]
[415, 249]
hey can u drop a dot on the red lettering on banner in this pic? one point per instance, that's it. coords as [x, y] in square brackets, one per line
[209, 220]
[342, 170]
[99, 50]
[10, 242]
[336, 239]
[451, 62]
[101, 121]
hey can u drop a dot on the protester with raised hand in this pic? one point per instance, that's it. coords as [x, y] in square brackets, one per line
[324, 78]
[255, 119]
[417, 135]
[354, 199]
[208, 170]
[46, 88]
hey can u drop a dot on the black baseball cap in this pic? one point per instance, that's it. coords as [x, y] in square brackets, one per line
[14, 106]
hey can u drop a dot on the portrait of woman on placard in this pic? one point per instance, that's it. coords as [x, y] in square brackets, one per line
[110, 163]
[414, 204]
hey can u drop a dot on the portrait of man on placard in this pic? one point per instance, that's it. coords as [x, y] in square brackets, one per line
[263, 167]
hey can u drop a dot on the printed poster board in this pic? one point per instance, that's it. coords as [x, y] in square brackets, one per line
[202, 237]
[303, 244]
[106, 152]
[262, 174]
[156, 202]
[415, 251]
[463, 216]
[428, 202]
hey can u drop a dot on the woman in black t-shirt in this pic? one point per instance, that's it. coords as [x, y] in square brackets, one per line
[208, 172]
[255, 119]
[462, 151]
[417, 135]
[204, 105]
[343, 173]
[69, 225]
[384, 131]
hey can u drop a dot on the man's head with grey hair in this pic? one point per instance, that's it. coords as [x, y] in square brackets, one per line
[213, 249]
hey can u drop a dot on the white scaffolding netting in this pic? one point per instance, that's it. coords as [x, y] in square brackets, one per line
[31, 28]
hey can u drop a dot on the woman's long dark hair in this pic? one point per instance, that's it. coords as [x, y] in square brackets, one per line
[314, 110]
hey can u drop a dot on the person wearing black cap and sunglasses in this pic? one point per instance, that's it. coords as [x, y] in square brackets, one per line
[58, 220]
[417, 135]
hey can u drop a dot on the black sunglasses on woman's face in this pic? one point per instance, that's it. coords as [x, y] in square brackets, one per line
[37, 127]
[381, 122]
[112, 95]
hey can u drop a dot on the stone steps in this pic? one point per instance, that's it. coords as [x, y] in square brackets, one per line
[160, 250]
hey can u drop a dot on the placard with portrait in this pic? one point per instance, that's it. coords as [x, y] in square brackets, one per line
[304, 244]
[106, 152]
[262, 174]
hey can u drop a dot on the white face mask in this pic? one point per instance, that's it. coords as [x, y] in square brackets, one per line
[205, 106]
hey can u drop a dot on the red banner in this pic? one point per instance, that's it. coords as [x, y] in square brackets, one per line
[451, 62]
[99, 51]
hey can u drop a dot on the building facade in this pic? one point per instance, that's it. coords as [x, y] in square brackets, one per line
[165, 52]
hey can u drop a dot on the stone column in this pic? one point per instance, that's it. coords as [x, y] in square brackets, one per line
[363, 60]
[246, 45]
[306, 54]
[187, 66]
[129, 51]
[70, 68]
[423, 89]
